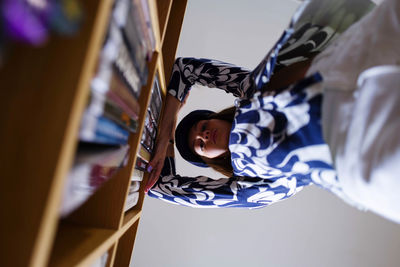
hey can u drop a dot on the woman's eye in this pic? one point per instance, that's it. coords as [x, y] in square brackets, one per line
[204, 126]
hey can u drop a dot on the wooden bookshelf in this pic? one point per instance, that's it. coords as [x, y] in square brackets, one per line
[44, 92]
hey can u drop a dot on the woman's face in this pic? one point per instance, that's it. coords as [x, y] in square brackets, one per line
[210, 138]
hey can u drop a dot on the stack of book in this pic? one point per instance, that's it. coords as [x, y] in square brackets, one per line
[133, 194]
[150, 126]
[93, 165]
[147, 143]
[112, 109]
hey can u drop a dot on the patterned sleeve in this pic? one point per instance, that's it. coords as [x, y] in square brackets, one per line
[204, 192]
[314, 26]
[211, 73]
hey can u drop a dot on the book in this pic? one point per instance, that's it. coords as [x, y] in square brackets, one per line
[112, 109]
[115, 74]
[146, 140]
[146, 13]
[134, 187]
[141, 15]
[150, 126]
[155, 102]
[124, 65]
[120, 12]
[137, 175]
[99, 129]
[118, 86]
[100, 105]
[141, 164]
[116, 114]
[93, 165]
[157, 95]
[135, 42]
[131, 200]
[144, 154]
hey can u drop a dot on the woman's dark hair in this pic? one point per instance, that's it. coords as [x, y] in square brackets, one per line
[222, 164]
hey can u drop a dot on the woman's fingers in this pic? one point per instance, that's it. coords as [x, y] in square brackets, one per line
[156, 164]
[154, 174]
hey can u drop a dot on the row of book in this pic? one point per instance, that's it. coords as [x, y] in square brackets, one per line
[113, 107]
[133, 194]
[149, 133]
[112, 110]
[146, 143]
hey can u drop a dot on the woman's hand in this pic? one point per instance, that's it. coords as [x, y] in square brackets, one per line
[156, 163]
[167, 128]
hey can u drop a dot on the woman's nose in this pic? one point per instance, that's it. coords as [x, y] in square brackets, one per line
[205, 135]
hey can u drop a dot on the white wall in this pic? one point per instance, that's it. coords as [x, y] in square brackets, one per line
[313, 228]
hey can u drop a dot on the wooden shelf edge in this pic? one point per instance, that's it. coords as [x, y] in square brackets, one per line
[131, 216]
[172, 34]
[126, 245]
[162, 78]
[80, 246]
[164, 11]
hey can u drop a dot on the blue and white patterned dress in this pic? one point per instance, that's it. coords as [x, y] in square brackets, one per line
[276, 141]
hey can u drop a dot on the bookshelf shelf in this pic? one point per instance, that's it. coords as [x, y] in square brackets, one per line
[125, 245]
[45, 92]
[77, 245]
[131, 216]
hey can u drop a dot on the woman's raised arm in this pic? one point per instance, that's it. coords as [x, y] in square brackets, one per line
[211, 73]
[204, 192]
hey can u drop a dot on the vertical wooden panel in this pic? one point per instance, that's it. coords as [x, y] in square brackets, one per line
[170, 43]
[164, 8]
[81, 246]
[125, 246]
[43, 93]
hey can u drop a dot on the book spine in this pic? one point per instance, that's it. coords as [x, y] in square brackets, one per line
[105, 131]
[113, 97]
[135, 42]
[131, 201]
[146, 13]
[116, 114]
[157, 98]
[150, 126]
[109, 129]
[118, 86]
[93, 166]
[143, 20]
[134, 187]
[140, 164]
[137, 175]
[127, 70]
[144, 154]
[147, 141]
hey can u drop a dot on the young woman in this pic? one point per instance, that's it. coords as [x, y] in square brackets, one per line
[293, 116]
